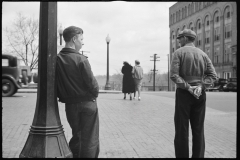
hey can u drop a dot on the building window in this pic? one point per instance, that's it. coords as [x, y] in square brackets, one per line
[174, 18]
[217, 34]
[217, 19]
[199, 25]
[189, 9]
[182, 13]
[227, 13]
[227, 52]
[216, 57]
[208, 51]
[207, 21]
[200, 5]
[196, 4]
[226, 75]
[227, 31]
[207, 37]
[199, 40]
[172, 49]
[192, 8]
[186, 11]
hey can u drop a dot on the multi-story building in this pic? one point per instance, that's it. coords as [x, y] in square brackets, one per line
[215, 24]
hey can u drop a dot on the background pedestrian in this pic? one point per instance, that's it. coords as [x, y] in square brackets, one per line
[137, 72]
[78, 89]
[128, 82]
[193, 72]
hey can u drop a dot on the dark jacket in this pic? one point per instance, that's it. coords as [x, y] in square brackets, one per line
[75, 80]
[191, 66]
[128, 82]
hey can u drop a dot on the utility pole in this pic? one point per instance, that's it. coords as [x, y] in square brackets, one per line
[154, 70]
[168, 72]
[84, 51]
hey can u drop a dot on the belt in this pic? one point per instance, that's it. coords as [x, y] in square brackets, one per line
[191, 78]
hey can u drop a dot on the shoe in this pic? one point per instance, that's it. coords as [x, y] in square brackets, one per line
[124, 97]
[130, 98]
[139, 98]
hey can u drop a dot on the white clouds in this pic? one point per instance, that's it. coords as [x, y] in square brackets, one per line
[137, 30]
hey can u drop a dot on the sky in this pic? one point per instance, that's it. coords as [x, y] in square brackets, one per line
[137, 30]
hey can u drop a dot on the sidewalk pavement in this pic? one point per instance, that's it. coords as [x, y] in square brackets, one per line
[128, 129]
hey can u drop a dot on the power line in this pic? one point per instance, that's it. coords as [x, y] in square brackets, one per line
[154, 70]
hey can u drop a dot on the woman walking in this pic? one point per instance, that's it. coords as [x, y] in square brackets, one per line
[128, 82]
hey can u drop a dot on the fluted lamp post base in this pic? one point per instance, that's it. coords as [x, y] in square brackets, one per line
[46, 142]
[107, 86]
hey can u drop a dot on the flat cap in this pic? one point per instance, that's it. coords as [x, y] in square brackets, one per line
[187, 33]
[70, 32]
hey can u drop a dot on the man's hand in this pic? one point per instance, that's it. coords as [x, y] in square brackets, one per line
[196, 91]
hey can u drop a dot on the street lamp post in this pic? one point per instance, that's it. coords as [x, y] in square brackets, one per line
[107, 86]
[60, 31]
[46, 137]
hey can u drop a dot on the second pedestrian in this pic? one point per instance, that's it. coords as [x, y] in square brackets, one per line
[138, 76]
[128, 82]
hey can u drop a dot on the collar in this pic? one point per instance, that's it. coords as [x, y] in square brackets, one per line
[69, 50]
[190, 44]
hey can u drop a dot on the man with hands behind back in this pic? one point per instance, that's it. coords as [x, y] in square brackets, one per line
[192, 72]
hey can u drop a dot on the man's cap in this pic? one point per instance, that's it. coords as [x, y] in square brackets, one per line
[70, 32]
[187, 33]
[137, 61]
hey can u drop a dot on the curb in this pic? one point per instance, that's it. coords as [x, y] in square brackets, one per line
[30, 90]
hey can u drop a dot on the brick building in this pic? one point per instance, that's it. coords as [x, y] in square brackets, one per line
[215, 24]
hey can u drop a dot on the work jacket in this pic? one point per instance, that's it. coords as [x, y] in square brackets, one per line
[74, 77]
[190, 66]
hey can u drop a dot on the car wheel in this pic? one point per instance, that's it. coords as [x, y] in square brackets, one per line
[8, 88]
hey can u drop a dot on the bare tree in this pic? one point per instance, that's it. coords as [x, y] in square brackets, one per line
[23, 40]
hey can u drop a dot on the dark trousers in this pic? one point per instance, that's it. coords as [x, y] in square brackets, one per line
[188, 108]
[84, 121]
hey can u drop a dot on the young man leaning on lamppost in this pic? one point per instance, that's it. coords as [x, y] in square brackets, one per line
[78, 89]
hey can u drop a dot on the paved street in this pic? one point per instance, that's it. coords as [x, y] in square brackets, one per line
[129, 129]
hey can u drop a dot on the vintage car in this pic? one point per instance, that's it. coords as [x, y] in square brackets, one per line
[231, 85]
[218, 85]
[11, 79]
